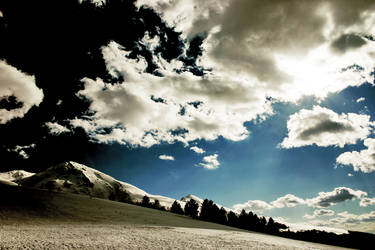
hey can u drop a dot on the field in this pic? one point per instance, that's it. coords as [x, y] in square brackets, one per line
[38, 219]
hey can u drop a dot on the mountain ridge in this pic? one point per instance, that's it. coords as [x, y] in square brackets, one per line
[73, 177]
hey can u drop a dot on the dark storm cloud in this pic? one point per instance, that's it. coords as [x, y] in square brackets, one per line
[347, 42]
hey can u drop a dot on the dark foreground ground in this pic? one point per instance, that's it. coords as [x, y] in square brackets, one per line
[39, 219]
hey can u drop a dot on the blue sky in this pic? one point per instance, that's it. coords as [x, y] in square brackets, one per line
[256, 168]
[266, 106]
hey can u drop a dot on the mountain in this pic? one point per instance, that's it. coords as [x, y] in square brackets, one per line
[77, 178]
[72, 177]
[13, 176]
[191, 196]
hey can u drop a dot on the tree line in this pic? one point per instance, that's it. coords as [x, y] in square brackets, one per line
[211, 212]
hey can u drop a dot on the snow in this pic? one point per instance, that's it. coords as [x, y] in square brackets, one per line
[107, 236]
[191, 196]
[13, 176]
[80, 179]
[70, 221]
[72, 177]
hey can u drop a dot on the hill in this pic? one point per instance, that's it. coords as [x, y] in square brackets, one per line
[42, 219]
[72, 177]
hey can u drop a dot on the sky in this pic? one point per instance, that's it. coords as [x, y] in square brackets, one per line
[266, 106]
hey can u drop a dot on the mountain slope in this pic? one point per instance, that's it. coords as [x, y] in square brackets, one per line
[77, 178]
[74, 221]
[13, 176]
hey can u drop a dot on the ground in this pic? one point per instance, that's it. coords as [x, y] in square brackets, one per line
[37, 219]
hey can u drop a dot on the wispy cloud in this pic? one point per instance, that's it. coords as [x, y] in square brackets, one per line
[166, 157]
[56, 128]
[319, 213]
[197, 150]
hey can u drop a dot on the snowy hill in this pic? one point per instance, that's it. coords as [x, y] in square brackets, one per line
[73, 177]
[76, 178]
[191, 196]
[13, 176]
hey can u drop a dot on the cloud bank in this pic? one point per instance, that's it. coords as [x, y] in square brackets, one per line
[323, 200]
[252, 51]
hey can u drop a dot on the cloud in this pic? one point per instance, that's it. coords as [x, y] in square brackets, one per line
[323, 200]
[55, 128]
[225, 104]
[338, 195]
[357, 222]
[361, 99]
[347, 217]
[288, 200]
[324, 127]
[319, 212]
[365, 202]
[253, 51]
[21, 150]
[363, 160]
[284, 47]
[197, 150]
[166, 157]
[18, 88]
[253, 205]
[347, 42]
[210, 162]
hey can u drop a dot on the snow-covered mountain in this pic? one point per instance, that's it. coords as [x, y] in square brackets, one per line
[77, 178]
[191, 196]
[13, 176]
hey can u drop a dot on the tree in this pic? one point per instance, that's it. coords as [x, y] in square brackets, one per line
[156, 205]
[205, 210]
[145, 201]
[176, 208]
[222, 216]
[191, 208]
[232, 219]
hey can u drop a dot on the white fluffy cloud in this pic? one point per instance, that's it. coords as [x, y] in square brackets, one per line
[338, 195]
[166, 157]
[255, 50]
[225, 104]
[363, 160]
[197, 150]
[55, 128]
[365, 202]
[292, 49]
[252, 205]
[324, 127]
[318, 213]
[210, 162]
[288, 200]
[21, 86]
